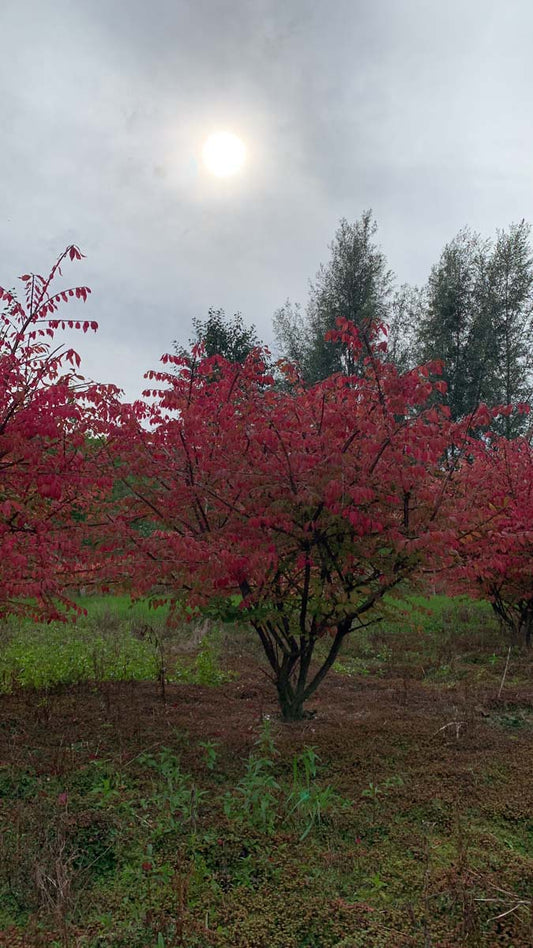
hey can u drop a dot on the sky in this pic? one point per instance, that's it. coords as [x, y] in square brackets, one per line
[418, 109]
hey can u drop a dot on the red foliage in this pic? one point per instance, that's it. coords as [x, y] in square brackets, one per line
[494, 548]
[298, 507]
[47, 465]
[309, 504]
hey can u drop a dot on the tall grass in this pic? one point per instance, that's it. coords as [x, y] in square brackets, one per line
[116, 640]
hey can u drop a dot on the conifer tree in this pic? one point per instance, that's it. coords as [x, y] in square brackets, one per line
[222, 335]
[355, 284]
[450, 327]
[507, 325]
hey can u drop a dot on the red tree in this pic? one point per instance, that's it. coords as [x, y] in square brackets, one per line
[494, 548]
[48, 471]
[310, 505]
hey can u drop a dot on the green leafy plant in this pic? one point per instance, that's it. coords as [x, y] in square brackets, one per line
[256, 792]
[204, 671]
[210, 749]
[308, 799]
[40, 656]
[256, 795]
[179, 800]
[373, 792]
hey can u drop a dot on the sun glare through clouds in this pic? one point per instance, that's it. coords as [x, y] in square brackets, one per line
[224, 154]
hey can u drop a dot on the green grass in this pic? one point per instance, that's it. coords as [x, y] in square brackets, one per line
[116, 641]
[122, 607]
[440, 640]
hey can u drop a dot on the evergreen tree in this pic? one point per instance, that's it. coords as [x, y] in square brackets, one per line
[507, 315]
[222, 335]
[356, 284]
[478, 320]
[450, 328]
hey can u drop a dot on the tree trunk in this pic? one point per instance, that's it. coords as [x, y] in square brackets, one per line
[291, 676]
[290, 702]
[526, 624]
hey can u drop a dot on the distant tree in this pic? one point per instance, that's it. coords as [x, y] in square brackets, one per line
[506, 325]
[477, 319]
[290, 331]
[222, 335]
[450, 329]
[406, 313]
[356, 285]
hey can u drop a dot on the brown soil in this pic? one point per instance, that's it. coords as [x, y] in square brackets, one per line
[451, 744]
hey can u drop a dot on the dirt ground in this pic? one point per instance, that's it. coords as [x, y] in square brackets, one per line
[464, 756]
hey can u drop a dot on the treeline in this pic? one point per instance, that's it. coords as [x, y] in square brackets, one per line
[474, 313]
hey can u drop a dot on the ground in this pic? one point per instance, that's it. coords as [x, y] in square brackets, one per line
[400, 814]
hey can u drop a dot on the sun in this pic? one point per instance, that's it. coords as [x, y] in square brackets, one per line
[224, 154]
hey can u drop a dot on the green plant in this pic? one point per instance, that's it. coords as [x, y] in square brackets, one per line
[41, 656]
[373, 887]
[210, 749]
[307, 798]
[178, 802]
[257, 794]
[373, 792]
[257, 790]
[205, 669]
[107, 790]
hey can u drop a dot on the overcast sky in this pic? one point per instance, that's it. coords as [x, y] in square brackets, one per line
[418, 109]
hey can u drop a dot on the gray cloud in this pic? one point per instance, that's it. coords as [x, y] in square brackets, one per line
[418, 109]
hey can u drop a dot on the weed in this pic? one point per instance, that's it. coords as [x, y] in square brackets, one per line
[210, 749]
[373, 792]
[307, 799]
[107, 790]
[179, 800]
[257, 791]
[257, 795]
[44, 657]
[204, 671]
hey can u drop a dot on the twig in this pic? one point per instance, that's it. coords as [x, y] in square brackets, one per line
[457, 724]
[508, 912]
[514, 908]
[504, 673]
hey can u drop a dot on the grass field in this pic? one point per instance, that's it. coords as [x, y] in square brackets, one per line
[135, 816]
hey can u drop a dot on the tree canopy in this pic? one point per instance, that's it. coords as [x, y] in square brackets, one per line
[356, 285]
[50, 472]
[309, 505]
[294, 508]
[477, 318]
[221, 335]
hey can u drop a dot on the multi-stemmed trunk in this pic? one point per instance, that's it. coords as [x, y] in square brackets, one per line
[290, 660]
[518, 617]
